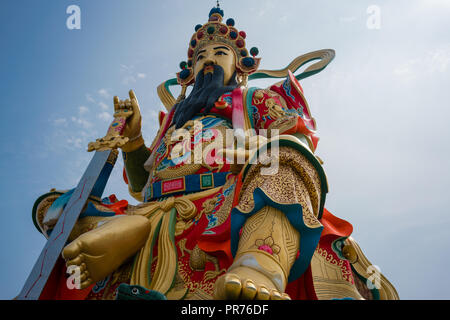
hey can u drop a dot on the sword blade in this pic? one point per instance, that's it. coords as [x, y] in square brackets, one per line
[43, 267]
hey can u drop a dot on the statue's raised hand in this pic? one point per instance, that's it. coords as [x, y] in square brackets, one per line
[132, 129]
[125, 130]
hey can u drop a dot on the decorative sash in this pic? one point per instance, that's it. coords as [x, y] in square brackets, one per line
[163, 218]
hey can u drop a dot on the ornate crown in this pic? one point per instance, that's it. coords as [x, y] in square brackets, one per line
[215, 31]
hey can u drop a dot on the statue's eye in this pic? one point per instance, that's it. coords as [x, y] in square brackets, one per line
[135, 291]
[221, 53]
[200, 57]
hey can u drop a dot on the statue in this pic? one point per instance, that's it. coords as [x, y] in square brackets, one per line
[209, 226]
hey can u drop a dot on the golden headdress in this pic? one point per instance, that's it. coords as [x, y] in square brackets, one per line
[216, 31]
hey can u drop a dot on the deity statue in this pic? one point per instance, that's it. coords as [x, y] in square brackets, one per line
[209, 226]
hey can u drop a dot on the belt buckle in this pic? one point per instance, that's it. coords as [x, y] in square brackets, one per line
[206, 181]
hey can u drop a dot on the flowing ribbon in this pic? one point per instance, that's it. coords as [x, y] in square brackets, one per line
[324, 56]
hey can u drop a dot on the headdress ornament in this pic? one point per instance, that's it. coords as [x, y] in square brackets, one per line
[216, 31]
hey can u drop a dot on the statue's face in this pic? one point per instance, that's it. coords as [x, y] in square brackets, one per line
[216, 53]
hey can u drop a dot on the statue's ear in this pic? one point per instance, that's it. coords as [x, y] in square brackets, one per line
[186, 76]
[248, 65]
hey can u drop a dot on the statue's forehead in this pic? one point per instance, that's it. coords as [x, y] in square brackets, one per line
[213, 44]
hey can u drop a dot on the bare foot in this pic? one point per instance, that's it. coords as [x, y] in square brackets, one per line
[244, 283]
[101, 251]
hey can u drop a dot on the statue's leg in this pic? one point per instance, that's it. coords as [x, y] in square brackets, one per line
[280, 211]
[267, 250]
[101, 251]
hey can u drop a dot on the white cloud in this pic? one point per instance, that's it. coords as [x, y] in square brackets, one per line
[104, 93]
[60, 122]
[105, 116]
[266, 7]
[438, 60]
[74, 142]
[433, 61]
[82, 122]
[128, 80]
[83, 109]
[126, 68]
[129, 75]
[407, 69]
[89, 98]
[103, 105]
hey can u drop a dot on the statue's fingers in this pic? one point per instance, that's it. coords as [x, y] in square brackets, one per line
[135, 106]
[127, 103]
[116, 103]
[248, 291]
[77, 261]
[132, 95]
[86, 283]
[84, 276]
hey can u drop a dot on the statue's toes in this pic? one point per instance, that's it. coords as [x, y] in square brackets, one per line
[248, 291]
[275, 295]
[263, 293]
[232, 286]
[285, 296]
[227, 287]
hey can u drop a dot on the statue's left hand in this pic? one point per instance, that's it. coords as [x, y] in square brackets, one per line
[132, 128]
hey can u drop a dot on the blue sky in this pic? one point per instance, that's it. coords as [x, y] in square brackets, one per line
[381, 108]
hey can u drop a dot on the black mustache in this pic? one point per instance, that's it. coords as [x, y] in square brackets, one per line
[207, 89]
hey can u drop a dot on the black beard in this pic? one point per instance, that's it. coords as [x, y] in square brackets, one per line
[207, 89]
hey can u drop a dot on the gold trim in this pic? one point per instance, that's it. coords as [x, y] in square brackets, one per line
[165, 96]
[113, 157]
[331, 278]
[325, 56]
[362, 264]
[159, 212]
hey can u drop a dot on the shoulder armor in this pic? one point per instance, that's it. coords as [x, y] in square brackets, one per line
[291, 90]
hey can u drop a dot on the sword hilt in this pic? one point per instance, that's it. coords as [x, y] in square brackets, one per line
[113, 138]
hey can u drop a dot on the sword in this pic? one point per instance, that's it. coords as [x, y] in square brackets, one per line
[100, 165]
[93, 181]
